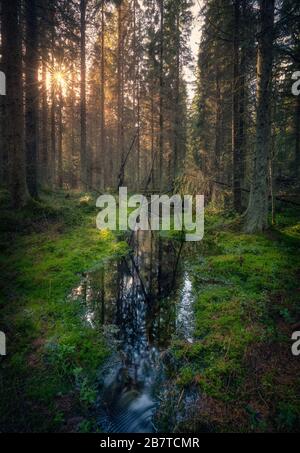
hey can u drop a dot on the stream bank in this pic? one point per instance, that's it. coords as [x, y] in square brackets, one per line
[237, 374]
[145, 298]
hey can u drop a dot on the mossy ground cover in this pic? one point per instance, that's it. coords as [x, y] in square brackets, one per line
[246, 291]
[48, 379]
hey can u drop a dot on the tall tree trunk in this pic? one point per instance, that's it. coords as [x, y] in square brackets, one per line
[32, 96]
[73, 128]
[218, 142]
[83, 127]
[177, 99]
[297, 141]
[3, 119]
[44, 116]
[102, 172]
[3, 159]
[161, 95]
[138, 138]
[120, 139]
[14, 103]
[53, 132]
[44, 139]
[52, 166]
[237, 183]
[153, 159]
[257, 212]
[60, 140]
[136, 92]
[242, 104]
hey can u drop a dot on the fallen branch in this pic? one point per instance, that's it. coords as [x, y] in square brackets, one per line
[283, 200]
[123, 164]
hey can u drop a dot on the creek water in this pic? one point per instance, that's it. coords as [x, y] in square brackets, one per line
[143, 300]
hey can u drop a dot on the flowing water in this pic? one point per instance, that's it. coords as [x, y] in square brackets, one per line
[142, 300]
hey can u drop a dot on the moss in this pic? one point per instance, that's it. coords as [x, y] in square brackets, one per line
[245, 306]
[245, 291]
[51, 351]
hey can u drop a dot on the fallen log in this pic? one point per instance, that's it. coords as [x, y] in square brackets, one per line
[283, 200]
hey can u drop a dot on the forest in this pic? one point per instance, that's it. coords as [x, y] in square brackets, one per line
[142, 332]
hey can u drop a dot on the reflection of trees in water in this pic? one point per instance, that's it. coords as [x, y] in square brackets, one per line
[147, 277]
[138, 295]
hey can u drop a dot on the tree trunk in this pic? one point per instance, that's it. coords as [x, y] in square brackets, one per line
[136, 92]
[177, 100]
[120, 139]
[153, 159]
[257, 212]
[3, 119]
[83, 128]
[3, 157]
[44, 116]
[53, 133]
[242, 99]
[60, 140]
[32, 96]
[161, 94]
[14, 103]
[102, 171]
[52, 166]
[236, 151]
[297, 141]
[218, 142]
[74, 179]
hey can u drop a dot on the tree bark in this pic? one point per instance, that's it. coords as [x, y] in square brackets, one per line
[120, 138]
[177, 99]
[14, 103]
[60, 140]
[83, 127]
[52, 166]
[44, 116]
[161, 95]
[297, 138]
[74, 179]
[32, 96]
[217, 157]
[136, 91]
[3, 119]
[242, 106]
[257, 212]
[102, 164]
[236, 151]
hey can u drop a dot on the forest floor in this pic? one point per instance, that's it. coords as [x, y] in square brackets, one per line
[48, 379]
[239, 375]
[240, 365]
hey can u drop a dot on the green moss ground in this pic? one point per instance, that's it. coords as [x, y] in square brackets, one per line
[246, 291]
[246, 303]
[47, 380]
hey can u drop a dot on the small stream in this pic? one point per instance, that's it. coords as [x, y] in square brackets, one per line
[143, 300]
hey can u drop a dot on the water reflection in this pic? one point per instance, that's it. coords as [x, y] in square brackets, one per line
[185, 312]
[148, 297]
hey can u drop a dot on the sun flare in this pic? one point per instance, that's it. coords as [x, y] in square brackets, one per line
[59, 78]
